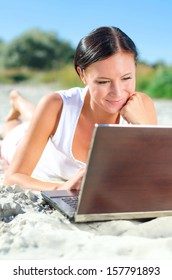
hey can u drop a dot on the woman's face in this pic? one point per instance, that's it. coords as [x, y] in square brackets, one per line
[111, 81]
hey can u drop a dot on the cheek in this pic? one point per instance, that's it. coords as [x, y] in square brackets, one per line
[97, 95]
[99, 92]
[131, 86]
[134, 84]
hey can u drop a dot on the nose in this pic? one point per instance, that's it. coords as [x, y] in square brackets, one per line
[115, 89]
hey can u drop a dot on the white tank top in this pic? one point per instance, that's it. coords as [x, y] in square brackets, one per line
[57, 161]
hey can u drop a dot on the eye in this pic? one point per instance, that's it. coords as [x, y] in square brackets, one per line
[102, 82]
[126, 78]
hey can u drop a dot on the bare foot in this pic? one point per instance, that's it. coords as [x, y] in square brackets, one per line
[14, 113]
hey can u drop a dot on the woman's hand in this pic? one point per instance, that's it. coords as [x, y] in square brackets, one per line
[75, 182]
[139, 109]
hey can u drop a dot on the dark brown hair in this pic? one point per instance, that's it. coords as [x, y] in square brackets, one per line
[101, 43]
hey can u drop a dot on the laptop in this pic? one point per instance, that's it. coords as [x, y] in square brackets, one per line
[128, 176]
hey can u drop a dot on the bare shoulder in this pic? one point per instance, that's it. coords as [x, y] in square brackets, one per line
[50, 104]
[51, 100]
[145, 97]
[48, 112]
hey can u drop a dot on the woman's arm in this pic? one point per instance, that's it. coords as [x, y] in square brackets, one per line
[42, 126]
[139, 109]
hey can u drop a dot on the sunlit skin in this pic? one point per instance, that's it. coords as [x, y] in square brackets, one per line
[111, 93]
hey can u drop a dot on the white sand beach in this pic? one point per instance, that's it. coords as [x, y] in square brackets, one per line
[30, 229]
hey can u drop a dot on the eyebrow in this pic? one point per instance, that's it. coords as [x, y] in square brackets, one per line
[127, 74]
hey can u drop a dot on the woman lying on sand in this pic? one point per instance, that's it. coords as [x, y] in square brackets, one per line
[54, 143]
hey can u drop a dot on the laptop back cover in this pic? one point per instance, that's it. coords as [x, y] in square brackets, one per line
[129, 174]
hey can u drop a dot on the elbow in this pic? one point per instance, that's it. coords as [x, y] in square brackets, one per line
[8, 180]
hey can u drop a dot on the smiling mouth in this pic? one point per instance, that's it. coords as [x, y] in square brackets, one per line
[116, 101]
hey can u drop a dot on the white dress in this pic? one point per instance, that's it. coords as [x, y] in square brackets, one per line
[57, 161]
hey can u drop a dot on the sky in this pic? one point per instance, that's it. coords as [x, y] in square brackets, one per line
[147, 22]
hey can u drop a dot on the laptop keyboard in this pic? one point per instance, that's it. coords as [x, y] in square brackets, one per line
[71, 201]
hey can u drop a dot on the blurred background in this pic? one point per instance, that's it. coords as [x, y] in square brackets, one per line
[38, 40]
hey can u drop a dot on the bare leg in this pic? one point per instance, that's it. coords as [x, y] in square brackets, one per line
[20, 107]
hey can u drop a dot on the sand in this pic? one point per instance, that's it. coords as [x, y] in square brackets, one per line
[30, 229]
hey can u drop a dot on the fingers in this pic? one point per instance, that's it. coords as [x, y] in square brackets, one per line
[134, 110]
[79, 178]
[75, 182]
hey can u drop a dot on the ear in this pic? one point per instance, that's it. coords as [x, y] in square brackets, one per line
[81, 74]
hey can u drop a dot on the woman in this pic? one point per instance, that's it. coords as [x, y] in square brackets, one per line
[57, 141]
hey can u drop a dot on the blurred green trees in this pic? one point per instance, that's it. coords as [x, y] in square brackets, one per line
[36, 49]
[2, 53]
[155, 80]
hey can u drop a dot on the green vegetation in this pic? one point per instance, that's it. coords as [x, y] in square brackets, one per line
[65, 77]
[41, 57]
[37, 50]
[155, 81]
